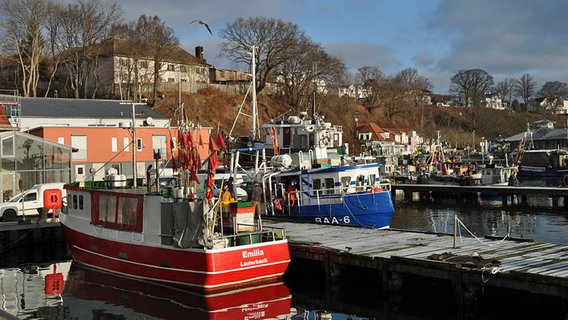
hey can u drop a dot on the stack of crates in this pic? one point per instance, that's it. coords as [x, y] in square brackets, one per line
[239, 217]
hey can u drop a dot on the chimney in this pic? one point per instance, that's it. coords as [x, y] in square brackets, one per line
[199, 53]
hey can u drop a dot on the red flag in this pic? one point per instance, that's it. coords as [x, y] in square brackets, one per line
[220, 140]
[274, 141]
[194, 176]
[213, 145]
[213, 163]
[181, 139]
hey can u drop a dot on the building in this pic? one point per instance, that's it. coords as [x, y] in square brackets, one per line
[102, 136]
[28, 160]
[543, 136]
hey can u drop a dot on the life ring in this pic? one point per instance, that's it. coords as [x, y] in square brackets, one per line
[52, 199]
[564, 181]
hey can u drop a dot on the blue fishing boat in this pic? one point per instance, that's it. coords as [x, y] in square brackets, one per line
[309, 175]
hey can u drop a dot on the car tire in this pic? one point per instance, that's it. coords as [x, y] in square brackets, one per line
[9, 215]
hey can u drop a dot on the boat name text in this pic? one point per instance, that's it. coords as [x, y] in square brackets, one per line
[333, 220]
[253, 253]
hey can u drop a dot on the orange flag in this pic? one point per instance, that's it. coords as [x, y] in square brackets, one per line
[274, 141]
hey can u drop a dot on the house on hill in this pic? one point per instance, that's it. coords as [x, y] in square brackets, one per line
[125, 68]
[388, 145]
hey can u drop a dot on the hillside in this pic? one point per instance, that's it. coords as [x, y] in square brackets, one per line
[458, 126]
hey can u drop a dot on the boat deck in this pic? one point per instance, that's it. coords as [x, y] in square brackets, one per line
[532, 267]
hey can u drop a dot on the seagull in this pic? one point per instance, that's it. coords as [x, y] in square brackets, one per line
[203, 23]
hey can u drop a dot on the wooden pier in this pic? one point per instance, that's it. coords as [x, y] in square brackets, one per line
[398, 257]
[509, 195]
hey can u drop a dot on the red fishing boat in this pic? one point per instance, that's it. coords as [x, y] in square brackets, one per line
[178, 236]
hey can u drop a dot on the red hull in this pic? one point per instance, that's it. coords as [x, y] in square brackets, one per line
[206, 270]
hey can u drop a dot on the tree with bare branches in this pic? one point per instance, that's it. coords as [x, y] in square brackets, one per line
[472, 85]
[525, 89]
[272, 38]
[371, 79]
[554, 93]
[83, 25]
[309, 70]
[22, 22]
[506, 88]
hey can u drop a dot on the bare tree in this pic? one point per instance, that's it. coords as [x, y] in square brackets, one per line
[506, 89]
[525, 89]
[272, 38]
[416, 86]
[472, 85]
[371, 79]
[308, 70]
[160, 41]
[554, 94]
[22, 21]
[84, 25]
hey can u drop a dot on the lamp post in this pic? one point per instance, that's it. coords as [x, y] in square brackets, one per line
[134, 142]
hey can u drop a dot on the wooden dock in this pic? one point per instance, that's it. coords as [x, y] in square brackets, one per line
[509, 195]
[395, 255]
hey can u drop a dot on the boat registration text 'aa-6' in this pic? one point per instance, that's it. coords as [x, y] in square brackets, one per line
[333, 220]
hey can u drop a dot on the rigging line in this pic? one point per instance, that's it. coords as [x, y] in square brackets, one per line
[116, 155]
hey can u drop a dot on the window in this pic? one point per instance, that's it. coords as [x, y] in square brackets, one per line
[114, 144]
[345, 183]
[329, 185]
[123, 62]
[30, 196]
[171, 67]
[144, 64]
[372, 179]
[79, 142]
[8, 147]
[360, 182]
[183, 68]
[159, 143]
[171, 80]
[316, 186]
[119, 211]
[139, 144]
[126, 144]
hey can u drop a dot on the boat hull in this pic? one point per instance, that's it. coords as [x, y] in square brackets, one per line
[205, 270]
[371, 210]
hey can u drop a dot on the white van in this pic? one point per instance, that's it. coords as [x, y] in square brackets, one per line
[29, 202]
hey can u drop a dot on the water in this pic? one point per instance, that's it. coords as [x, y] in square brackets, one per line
[90, 294]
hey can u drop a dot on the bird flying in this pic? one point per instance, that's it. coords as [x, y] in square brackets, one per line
[203, 23]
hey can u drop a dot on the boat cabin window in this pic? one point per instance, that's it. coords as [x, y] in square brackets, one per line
[329, 185]
[360, 182]
[316, 186]
[345, 183]
[372, 179]
[77, 201]
[118, 211]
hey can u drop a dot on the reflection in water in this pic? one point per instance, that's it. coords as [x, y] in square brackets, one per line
[538, 224]
[90, 294]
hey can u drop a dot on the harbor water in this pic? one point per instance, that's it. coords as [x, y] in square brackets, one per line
[88, 294]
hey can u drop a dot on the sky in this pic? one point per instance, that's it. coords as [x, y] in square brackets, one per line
[438, 38]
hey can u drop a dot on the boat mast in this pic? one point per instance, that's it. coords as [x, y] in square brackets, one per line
[253, 96]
